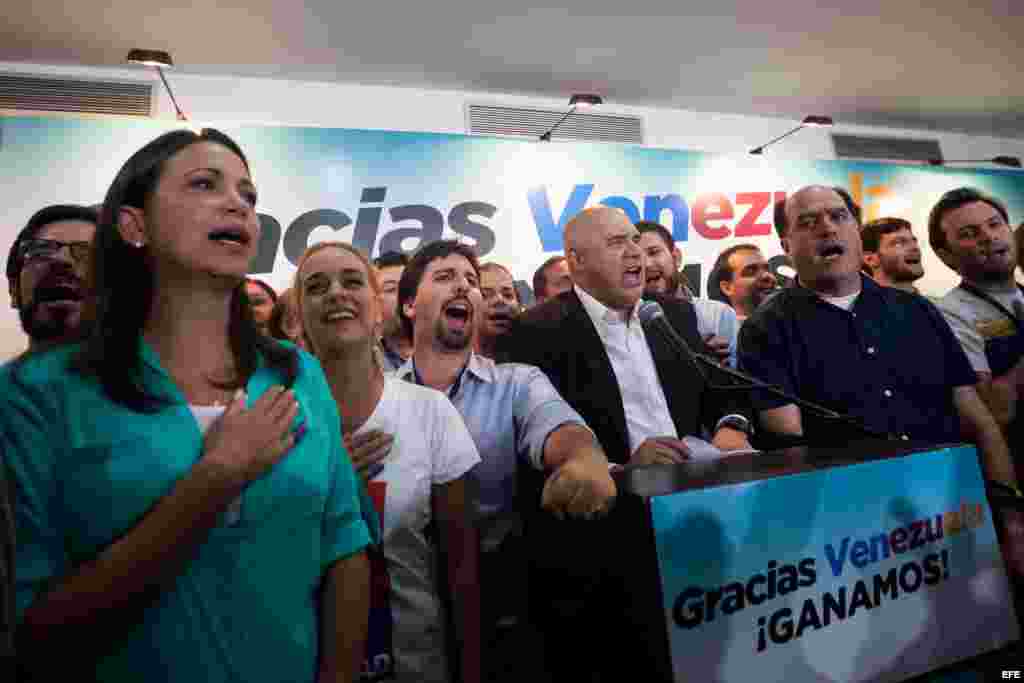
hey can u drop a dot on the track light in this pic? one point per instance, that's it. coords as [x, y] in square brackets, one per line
[808, 122]
[159, 60]
[575, 102]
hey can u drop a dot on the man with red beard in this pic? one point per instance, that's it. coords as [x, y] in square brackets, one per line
[716, 322]
[500, 306]
[46, 270]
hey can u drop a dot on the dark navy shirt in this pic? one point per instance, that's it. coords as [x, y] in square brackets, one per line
[891, 360]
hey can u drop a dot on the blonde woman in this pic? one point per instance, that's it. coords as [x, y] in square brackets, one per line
[410, 444]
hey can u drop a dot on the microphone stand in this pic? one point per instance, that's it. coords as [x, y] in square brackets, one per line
[750, 382]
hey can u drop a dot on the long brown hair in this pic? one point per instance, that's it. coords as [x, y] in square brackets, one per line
[123, 287]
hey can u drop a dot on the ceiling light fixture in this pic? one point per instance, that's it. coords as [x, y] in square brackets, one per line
[159, 60]
[575, 102]
[808, 122]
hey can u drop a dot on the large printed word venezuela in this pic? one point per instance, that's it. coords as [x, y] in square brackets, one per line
[697, 605]
[710, 215]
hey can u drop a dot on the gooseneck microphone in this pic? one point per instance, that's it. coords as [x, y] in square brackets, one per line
[652, 317]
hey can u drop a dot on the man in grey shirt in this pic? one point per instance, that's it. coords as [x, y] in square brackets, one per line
[516, 417]
[970, 232]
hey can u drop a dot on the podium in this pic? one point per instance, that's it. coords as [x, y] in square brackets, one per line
[877, 561]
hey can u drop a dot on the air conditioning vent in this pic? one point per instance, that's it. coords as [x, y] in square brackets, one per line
[40, 93]
[885, 148]
[532, 123]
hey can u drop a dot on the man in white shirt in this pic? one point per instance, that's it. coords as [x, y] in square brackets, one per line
[638, 396]
[744, 278]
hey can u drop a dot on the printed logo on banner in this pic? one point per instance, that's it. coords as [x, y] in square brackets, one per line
[387, 190]
[709, 209]
[463, 219]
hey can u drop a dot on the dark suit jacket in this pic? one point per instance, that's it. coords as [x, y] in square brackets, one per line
[577, 586]
[560, 338]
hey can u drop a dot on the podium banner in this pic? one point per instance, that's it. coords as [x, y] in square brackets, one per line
[877, 571]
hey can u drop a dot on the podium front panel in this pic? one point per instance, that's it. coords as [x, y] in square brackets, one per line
[875, 571]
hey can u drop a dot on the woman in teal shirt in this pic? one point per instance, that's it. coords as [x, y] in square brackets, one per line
[161, 535]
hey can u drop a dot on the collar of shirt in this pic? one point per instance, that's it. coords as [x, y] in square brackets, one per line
[475, 366]
[601, 315]
[159, 380]
[162, 379]
[392, 356]
[868, 288]
[1000, 288]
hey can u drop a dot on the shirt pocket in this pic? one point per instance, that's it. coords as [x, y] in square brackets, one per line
[106, 488]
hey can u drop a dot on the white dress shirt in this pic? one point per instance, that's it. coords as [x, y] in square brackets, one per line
[643, 398]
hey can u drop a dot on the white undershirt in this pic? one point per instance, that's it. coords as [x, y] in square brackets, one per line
[643, 399]
[206, 416]
[843, 302]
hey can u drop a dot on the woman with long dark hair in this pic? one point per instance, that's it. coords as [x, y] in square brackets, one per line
[185, 507]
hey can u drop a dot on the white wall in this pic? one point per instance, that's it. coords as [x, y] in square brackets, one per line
[228, 100]
[222, 99]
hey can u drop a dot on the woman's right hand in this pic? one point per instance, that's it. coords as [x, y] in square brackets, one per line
[243, 443]
[367, 450]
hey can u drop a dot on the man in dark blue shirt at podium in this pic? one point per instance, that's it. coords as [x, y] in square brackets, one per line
[878, 354]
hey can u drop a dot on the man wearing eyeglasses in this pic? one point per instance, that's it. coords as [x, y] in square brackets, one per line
[46, 279]
[46, 271]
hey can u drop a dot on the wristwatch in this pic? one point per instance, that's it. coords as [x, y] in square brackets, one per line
[737, 422]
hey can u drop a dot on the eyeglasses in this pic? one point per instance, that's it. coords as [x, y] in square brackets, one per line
[34, 250]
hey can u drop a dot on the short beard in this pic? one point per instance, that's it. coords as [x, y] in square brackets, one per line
[905, 276]
[55, 327]
[672, 282]
[995, 276]
[451, 341]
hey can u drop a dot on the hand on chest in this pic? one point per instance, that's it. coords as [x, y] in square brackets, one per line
[112, 476]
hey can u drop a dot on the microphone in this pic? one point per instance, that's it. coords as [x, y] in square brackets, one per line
[769, 296]
[652, 317]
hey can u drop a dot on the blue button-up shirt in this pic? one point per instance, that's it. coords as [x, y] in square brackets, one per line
[510, 409]
[891, 360]
[391, 358]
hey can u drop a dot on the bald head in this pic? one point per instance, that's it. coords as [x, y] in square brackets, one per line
[583, 229]
[604, 256]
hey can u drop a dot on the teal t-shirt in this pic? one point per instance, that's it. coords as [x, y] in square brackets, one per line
[87, 470]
